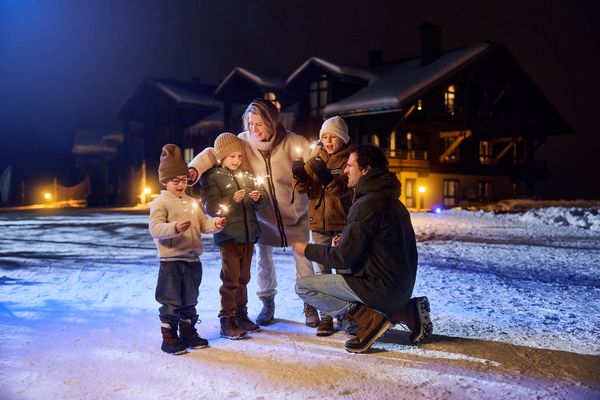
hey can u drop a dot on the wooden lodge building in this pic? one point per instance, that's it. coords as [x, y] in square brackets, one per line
[459, 127]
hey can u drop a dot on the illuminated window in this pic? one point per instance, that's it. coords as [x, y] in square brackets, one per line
[450, 192]
[375, 140]
[485, 152]
[188, 154]
[452, 157]
[484, 190]
[318, 96]
[409, 193]
[450, 100]
[272, 97]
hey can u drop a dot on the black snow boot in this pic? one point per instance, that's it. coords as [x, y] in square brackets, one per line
[170, 341]
[188, 335]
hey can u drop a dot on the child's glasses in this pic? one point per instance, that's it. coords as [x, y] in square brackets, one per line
[177, 181]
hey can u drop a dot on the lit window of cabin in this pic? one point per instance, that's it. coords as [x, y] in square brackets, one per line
[318, 96]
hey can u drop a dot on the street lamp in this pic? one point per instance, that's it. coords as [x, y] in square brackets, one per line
[422, 190]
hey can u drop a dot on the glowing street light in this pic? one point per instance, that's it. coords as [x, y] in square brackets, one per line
[47, 196]
[422, 190]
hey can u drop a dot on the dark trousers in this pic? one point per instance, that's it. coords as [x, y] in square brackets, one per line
[177, 289]
[235, 275]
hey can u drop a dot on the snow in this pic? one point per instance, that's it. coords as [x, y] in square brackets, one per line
[514, 301]
[389, 90]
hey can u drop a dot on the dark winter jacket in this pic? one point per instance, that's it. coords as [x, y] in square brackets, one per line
[377, 244]
[217, 187]
[328, 205]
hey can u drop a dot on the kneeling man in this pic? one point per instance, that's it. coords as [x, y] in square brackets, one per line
[378, 246]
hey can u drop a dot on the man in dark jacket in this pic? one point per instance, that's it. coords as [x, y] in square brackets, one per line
[378, 246]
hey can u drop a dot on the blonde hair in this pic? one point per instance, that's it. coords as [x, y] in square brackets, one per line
[266, 110]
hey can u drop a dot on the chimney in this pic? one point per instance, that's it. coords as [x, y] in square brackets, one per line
[375, 57]
[431, 47]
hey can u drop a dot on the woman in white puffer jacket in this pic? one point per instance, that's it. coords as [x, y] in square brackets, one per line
[269, 151]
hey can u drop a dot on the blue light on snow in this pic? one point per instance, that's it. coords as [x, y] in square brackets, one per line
[438, 210]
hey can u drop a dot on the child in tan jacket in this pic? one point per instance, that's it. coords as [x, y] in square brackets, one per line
[176, 224]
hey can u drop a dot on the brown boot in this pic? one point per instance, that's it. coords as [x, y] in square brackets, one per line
[372, 325]
[325, 327]
[243, 322]
[312, 316]
[188, 335]
[229, 329]
[170, 341]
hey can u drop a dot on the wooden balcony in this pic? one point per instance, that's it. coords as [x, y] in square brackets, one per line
[402, 158]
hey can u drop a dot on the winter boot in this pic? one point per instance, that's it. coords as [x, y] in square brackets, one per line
[312, 316]
[372, 325]
[188, 335]
[229, 329]
[243, 322]
[325, 327]
[170, 341]
[416, 318]
[423, 326]
[265, 317]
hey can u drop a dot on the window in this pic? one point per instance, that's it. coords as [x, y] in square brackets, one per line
[188, 154]
[318, 96]
[409, 192]
[375, 140]
[272, 97]
[484, 190]
[450, 100]
[485, 152]
[451, 157]
[450, 192]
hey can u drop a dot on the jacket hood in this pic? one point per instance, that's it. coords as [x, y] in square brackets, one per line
[380, 181]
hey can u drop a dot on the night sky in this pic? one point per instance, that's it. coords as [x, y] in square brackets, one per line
[69, 65]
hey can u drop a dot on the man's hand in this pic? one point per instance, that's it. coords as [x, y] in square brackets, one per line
[183, 226]
[299, 248]
[239, 195]
[254, 195]
[320, 169]
[220, 222]
[298, 170]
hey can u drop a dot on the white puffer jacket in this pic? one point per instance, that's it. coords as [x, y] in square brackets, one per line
[282, 222]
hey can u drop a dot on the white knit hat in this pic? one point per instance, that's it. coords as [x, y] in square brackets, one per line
[335, 126]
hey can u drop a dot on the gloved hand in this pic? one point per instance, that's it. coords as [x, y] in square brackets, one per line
[320, 169]
[298, 170]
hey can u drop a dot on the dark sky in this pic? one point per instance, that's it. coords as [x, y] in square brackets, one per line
[68, 65]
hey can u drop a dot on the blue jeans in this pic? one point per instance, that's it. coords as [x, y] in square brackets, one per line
[329, 294]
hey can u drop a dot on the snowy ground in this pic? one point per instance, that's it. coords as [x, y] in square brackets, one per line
[515, 303]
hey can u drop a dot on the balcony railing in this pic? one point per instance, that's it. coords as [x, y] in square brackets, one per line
[407, 158]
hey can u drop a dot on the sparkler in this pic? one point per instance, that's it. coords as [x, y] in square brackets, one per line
[223, 210]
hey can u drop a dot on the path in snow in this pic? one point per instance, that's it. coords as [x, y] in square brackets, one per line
[514, 302]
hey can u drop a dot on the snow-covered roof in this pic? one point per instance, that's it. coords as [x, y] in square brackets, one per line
[389, 90]
[212, 122]
[260, 79]
[184, 95]
[330, 67]
[96, 142]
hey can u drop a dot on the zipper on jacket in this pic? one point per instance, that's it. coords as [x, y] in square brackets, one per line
[274, 198]
[243, 209]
